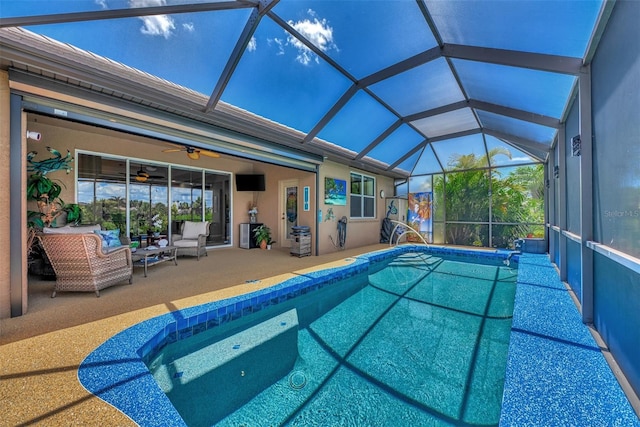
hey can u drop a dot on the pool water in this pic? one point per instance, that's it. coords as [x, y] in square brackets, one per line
[421, 340]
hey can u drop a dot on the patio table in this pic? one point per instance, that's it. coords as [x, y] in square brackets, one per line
[152, 255]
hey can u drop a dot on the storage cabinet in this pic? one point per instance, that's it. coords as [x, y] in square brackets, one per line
[301, 244]
[247, 241]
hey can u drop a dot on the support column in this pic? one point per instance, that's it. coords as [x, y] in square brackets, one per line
[5, 200]
[550, 200]
[586, 194]
[562, 201]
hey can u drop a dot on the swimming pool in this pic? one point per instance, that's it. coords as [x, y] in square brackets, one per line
[421, 338]
[538, 388]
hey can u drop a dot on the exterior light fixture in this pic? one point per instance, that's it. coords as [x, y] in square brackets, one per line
[36, 136]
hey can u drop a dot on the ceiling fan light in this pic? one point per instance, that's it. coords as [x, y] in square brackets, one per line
[141, 178]
[193, 155]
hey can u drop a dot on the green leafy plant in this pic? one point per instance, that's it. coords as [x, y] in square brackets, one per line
[262, 234]
[45, 192]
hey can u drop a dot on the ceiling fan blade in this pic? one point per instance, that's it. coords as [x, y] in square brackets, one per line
[209, 154]
[172, 150]
[194, 155]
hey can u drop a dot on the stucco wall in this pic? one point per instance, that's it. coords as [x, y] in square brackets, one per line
[64, 135]
[360, 232]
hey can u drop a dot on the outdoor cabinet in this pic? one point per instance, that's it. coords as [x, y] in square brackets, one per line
[247, 241]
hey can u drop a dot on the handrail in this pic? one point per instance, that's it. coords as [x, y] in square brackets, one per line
[410, 230]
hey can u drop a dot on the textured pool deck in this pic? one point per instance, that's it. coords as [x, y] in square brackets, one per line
[556, 373]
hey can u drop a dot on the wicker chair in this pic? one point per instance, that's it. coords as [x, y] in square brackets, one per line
[192, 239]
[81, 264]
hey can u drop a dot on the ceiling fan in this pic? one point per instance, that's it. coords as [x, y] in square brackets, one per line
[142, 175]
[192, 152]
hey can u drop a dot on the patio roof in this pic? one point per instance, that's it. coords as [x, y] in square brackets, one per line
[393, 87]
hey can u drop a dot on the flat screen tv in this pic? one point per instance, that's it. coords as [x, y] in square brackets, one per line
[246, 182]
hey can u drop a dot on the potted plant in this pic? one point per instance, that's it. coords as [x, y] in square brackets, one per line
[157, 222]
[269, 243]
[262, 235]
[52, 210]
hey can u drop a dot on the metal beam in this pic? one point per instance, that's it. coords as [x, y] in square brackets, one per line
[331, 113]
[61, 18]
[514, 58]
[562, 203]
[288, 28]
[436, 111]
[430, 22]
[402, 66]
[409, 154]
[533, 148]
[598, 30]
[379, 139]
[238, 50]
[586, 195]
[17, 208]
[455, 135]
[523, 115]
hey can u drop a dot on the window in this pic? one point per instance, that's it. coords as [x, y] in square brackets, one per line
[362, 197]
[149, 201]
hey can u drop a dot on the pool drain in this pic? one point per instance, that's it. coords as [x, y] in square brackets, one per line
[297, 380]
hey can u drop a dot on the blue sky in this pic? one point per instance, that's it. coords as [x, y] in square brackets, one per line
[277, 77]
[280, 79]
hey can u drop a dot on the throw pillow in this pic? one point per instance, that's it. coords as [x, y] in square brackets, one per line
[193, 229]
[110, 238]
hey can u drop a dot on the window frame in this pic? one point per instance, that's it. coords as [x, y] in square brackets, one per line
[362, 197]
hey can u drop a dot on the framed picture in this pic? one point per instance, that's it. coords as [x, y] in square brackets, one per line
[335, 192]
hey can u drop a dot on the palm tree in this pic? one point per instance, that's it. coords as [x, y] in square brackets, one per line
[467, 199]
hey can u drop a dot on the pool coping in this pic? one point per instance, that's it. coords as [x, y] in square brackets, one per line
[116, 371]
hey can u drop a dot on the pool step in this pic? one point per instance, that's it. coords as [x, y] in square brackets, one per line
[226, 374]
[404, 271]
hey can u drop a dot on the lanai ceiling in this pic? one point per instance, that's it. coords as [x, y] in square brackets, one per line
[396, 87]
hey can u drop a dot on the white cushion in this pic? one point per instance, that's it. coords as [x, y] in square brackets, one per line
[186, 243]
[67, 229]
[192, 229]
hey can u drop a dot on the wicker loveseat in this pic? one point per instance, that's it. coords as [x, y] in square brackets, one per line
[82, 264]
[192, 239]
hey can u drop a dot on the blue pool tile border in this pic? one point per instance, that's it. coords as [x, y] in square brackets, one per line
[117, 370]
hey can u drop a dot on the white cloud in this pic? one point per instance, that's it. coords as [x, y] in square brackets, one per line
[102, 3]
[189, 27]
[317, 31]
[158, 25]
[279, 44]
[253, 45]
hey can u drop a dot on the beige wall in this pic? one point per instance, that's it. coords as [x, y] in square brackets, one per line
[271, 203]
[360, 232]
[64, 135]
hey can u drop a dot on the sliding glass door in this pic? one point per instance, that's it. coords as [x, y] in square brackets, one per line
[152, 205]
